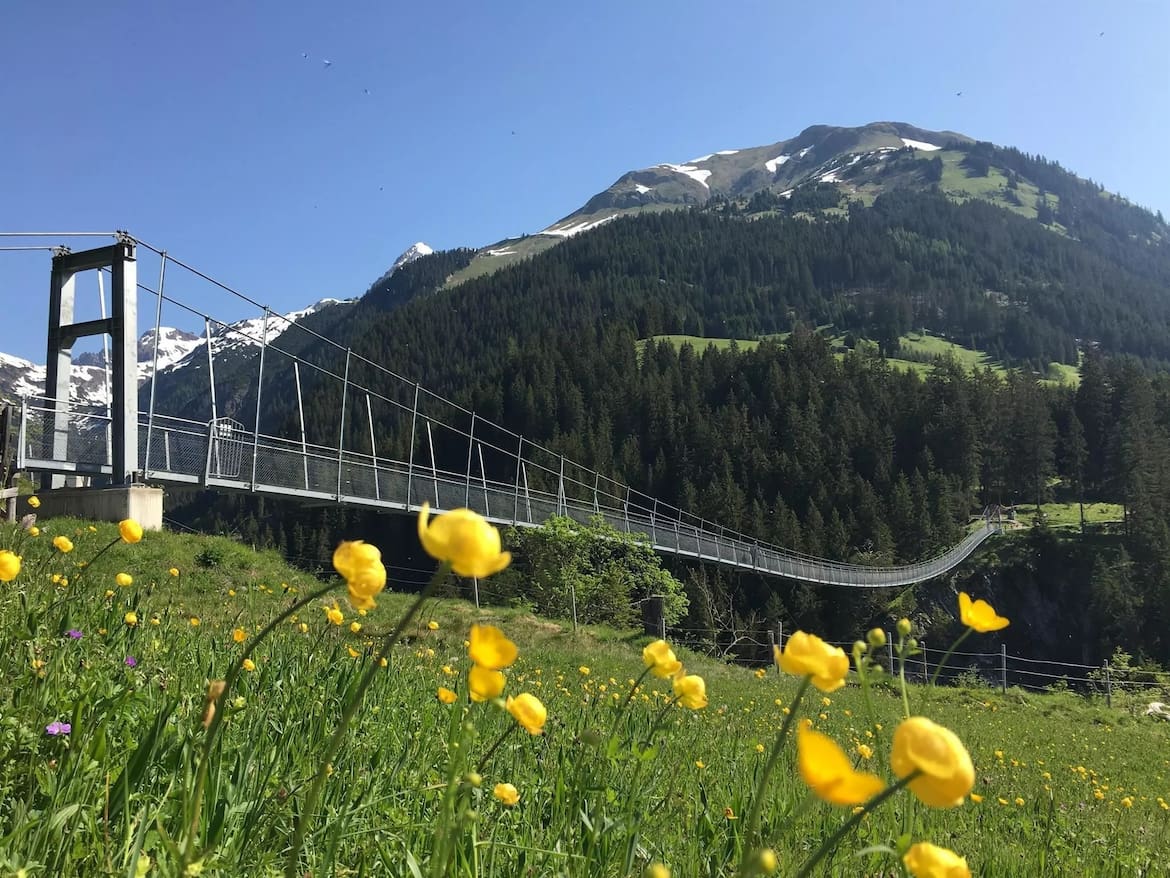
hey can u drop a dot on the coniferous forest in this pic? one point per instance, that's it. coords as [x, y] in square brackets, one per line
[827, 452]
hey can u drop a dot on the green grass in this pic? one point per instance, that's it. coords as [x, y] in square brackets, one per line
[590, 805]
[1068, 515]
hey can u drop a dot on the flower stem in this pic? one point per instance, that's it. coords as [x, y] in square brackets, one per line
[494, 747]
[947, 655]
[630, 697]
[216, 720]
[298, 839]
[751, 825]
[831, 842]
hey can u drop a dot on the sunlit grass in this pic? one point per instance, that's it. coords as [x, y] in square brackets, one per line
[584, 809]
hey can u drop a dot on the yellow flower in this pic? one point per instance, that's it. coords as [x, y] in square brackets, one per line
[34, 501]
[34, 531]
[131, 618]
[353, 653]
[1020, 801]
[659, 658]
[876, 637]
[528, 711]
[980, 615]
[248, 665]
[904, 627]
[925, 860]
[194, 620]
[355, 627]
[946, 773]
[9, 566]
[583, 671]
[484, 684]
[828, 773]
[465, 540]
[154, 620]
[446, 695]
[766, 862]
[490, 648]
[239, 635]
[365, 575]
[808, 655]
[433, 625]
[976, 798]
[63, 544]
[174, 571]
[759, 748]
[304, 627]
[334, 615]
[130, 530]
[691, 691]
[124, 579]
[656, 870]
[506, 793]
[865, 751]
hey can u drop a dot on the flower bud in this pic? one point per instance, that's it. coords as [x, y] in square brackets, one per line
[876, 637]
[903, 627]
[473, 779]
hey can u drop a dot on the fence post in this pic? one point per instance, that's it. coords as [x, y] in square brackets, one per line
[925, 668]
[890, 651]
[475, 589]
[1003, 668]
[654, 616]
[779, 645]
[1108, 687]
[573, 598]
[771, 643]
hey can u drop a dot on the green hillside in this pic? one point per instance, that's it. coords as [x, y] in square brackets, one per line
[592, 798]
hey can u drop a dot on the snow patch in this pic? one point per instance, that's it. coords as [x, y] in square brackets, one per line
[804, 152]
[691, 171]
[576, 228]
[504, 252]
[918, 144]
[772, 164]
[701, 158]
[642, 190]
[830, 177]
[787, 193]
[727, 152]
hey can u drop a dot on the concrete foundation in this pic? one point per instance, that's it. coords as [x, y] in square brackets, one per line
[140, 502]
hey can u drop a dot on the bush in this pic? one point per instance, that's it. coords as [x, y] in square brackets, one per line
[610, 572]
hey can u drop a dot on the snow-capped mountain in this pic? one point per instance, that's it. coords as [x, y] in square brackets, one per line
[413, 252]
[176, 349]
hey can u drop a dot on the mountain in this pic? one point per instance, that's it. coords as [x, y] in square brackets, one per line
[823, 167]
[177, 350]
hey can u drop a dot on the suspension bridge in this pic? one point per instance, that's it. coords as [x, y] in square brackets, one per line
[443, 453]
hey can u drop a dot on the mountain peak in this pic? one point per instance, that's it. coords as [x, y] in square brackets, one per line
[415, 251]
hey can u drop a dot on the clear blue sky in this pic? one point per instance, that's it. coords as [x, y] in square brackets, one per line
[202, 128]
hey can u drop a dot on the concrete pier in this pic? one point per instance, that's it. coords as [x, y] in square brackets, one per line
[142, 503]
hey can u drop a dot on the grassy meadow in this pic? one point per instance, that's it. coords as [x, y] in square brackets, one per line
[1063, 785]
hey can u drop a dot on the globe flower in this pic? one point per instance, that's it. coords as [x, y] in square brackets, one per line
[506, 793]
[9, 565]
[130, 530]
[659, 658]
[979, 615]
[334, 615]
[490, 648]
[925, 860]
[527, 710]
[63, 544]
[34, 531]
[239, 635]
[828, 772]
[433, 625]
[484, 684]
[766, 862]
[34, 501]
[656, 870]
[174, 571]
[446, 695]
[465, 540]
[360, 564]
[946, 774]
[248, 665]
[124, 579]
[691, 691]
[806, 655]
[131, 618]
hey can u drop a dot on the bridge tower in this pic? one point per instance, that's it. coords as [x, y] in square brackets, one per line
[121, 326]
[122, 498]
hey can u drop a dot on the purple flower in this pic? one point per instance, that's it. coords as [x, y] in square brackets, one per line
[73, 634]
[131, 661]
[58, 728]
